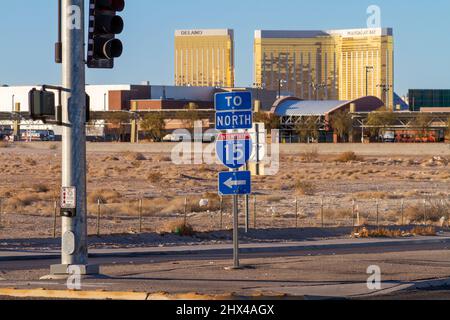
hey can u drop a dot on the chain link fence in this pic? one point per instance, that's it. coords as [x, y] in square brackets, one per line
[206, 214]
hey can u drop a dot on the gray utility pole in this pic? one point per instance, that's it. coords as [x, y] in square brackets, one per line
[74, 226]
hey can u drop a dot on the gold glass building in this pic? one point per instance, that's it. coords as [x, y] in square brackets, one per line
[204, 58]
[326, 65]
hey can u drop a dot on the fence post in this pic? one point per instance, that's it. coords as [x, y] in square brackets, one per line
[99, 211]
[424, 212]
[403, 212]
[378, 215]
[1, 211]
[322, 212]
[221, 213]
[55, 217]
[254, 209]
[185, 211]
[358, 216]
[353, 212]
[140, 203]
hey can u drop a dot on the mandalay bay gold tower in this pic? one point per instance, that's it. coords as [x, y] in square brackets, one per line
[326, 65]
[204, 58]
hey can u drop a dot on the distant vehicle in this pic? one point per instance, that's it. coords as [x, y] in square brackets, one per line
[206, 137]
[413, 136]
[388, 136]
[37, 135]
[5, 134]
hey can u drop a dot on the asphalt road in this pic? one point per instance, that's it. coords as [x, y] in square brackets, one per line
[40, 264]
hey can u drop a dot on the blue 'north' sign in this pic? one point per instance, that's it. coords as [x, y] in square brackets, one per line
[234, 111]
[235, 183]
[234, 120]
[234, 149]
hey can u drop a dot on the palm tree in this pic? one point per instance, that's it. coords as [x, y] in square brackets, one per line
[307, 128]
[342, 124]
[153, 126]
[189, 116]
[270, 120]
[422, 121]
[380, 120]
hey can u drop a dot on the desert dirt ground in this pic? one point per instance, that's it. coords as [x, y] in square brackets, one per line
[310, 189]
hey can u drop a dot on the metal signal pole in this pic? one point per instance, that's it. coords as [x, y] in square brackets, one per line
[74, 225]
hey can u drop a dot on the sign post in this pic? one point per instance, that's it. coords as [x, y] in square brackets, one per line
[234, 114]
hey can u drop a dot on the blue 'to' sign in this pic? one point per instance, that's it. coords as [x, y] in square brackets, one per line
[234, 110]
[233, 101]
[234, 149]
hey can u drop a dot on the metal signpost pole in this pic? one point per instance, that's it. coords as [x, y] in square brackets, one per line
[233, 113]
[247, 207]
[236, 263]
[74, 226]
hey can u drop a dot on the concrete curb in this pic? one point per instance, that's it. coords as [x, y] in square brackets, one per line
[105, 295]
[408, 286]
[245, 249]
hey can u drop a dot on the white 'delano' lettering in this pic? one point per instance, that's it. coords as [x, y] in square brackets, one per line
[74, 14]
[374, 19]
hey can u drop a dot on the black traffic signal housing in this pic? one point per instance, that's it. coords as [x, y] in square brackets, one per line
[43, 107]
[42, 104]
[104, 25]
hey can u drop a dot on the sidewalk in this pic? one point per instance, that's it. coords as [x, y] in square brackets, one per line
[254, 248]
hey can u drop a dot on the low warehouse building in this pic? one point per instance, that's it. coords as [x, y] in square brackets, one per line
[294, 112]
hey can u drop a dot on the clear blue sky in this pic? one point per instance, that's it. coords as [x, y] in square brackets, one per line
[28, 32]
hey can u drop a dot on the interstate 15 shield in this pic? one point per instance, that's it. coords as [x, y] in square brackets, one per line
[234, 149]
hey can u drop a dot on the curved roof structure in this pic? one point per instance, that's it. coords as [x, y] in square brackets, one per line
[297, 108]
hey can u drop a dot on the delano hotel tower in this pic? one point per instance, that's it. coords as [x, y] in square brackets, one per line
[326, 65]
[204, 58]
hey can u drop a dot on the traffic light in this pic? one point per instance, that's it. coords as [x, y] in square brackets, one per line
[42, 104]
[104, 25]
[43, 107]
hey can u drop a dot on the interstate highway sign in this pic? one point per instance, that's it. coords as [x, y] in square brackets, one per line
[233, 110]
[235, 183]
[234, 149]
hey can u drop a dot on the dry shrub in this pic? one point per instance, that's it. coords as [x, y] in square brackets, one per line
[53, 147]
[272, 199]
[23, 200]
[111, 158]
[349, 157]
[306, 188]
[336, 213]
[134, 156]
[433, 212]
[424, 231]
[311, 155]
[155, 177]
[378, 233]
[163, 158]
[105, 196]
[4, 145]
[179, 228]
[30, 162]
[393, 233]
[40, 188]
[377, 195]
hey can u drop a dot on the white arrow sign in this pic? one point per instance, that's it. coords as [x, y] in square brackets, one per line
[230, 183]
